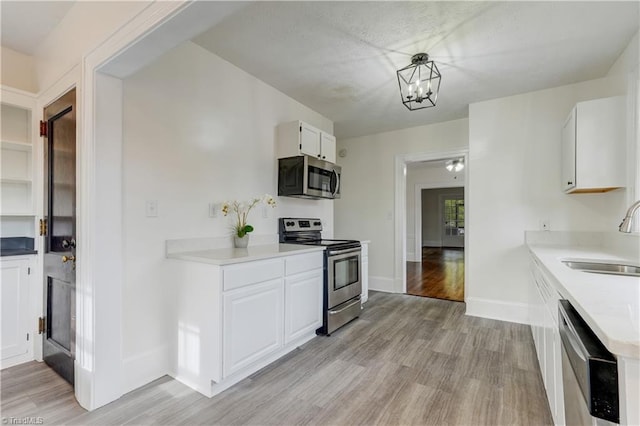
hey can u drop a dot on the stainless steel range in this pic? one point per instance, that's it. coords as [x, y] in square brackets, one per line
[342, 270]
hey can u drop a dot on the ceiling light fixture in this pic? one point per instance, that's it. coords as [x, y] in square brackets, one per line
[419, 83]
[455, 165]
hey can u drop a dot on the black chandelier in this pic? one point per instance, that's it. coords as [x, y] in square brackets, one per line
[419, 82]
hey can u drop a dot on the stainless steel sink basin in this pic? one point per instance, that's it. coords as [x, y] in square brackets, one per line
[604, 268]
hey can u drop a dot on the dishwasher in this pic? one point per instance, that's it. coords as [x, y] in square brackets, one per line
[589, 372]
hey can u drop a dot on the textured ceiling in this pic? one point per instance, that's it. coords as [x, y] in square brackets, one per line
[340, 58]
[25, 24]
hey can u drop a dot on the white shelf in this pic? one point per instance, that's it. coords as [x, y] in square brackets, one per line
[17, 162]
[18, 181]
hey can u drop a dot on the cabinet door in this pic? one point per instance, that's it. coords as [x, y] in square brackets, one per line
[253, 324]
[303, 304]
[328, 147]
[309, 140]
[569, 152]
[14, 295]
[364, 278]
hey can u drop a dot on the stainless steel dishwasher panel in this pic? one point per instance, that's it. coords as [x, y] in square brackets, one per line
[589, 372]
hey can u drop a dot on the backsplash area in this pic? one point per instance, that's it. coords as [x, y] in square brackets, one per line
[624, 245]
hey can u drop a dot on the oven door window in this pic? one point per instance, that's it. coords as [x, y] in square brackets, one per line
[320, 179]
[346, 271]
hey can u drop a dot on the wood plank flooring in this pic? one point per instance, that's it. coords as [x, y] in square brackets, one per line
[439, 275]
[407, 361]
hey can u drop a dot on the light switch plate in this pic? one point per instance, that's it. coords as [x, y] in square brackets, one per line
[213, 210]
[152, 208]
[545, 225]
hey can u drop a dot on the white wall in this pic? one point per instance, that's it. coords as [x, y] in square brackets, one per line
[514, 182]
[424, 174]
[366, 208]
[85, 26]
[18, 70]
[196, 130]
[432, 215]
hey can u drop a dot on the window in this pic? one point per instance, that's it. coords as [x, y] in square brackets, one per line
[453, 217]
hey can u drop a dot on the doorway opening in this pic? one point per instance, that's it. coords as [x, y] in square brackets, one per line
[436, 268]
[430, 225]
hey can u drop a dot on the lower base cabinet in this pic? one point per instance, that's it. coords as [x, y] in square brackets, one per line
[253, 318]
[546, 338]
[14, 296]
[235, 319]
[303, 305]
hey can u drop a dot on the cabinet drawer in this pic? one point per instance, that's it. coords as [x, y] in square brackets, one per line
[303, 263]
[237, 276]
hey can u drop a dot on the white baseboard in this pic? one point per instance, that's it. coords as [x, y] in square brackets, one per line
[138, 370]
[411, 257]
[498, 310]
[381, 284]
[16, 360]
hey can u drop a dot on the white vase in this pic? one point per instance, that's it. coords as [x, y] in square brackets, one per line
[241, 242]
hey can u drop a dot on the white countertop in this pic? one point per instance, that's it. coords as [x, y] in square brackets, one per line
[229, 256]
[610, 304]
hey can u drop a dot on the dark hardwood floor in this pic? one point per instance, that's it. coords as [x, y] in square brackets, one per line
[407, 361]
[439, 275]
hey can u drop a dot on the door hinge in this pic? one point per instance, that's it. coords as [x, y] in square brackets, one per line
[27, 337]
[300, 146]
[43, 226]
[29, 270]
[43, 128]
[40, 325]
[300, 129]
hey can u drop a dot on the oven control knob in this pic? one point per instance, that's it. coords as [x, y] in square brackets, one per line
[290, 223]
[317, 223]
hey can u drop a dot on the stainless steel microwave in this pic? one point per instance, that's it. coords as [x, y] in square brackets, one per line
[307, 177]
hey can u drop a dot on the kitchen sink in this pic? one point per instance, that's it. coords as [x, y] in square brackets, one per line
[604, 268]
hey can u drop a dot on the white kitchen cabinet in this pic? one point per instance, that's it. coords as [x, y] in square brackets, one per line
[364, 275]
[546, 338]
[14, 296]
[253, 318]
[303, 304]
[328, 147]
[233, 319]
[593, 146]
[300, 138]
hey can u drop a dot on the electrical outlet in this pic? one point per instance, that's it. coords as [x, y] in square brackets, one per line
[213, 210]
[152, 208]
[545, 225]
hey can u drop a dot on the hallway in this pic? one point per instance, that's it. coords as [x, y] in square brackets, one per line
[440, 275]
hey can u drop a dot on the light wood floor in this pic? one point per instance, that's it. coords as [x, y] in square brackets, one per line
[407, 360]
[439, 275]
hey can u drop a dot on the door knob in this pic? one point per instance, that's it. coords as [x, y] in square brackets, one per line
[65, 259]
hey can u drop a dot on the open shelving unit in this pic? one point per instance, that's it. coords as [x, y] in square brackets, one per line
[17, 206]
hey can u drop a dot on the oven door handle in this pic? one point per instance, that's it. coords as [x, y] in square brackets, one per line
[346, 307]
[349, 250]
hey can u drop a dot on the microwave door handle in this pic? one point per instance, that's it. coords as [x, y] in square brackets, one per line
[335, 191]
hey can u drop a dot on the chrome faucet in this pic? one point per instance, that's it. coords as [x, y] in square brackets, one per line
[625, 226]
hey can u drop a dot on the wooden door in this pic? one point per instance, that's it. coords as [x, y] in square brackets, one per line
[60, 236]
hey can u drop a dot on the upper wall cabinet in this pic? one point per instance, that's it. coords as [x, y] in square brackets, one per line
[300, 138]
[593, 146]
